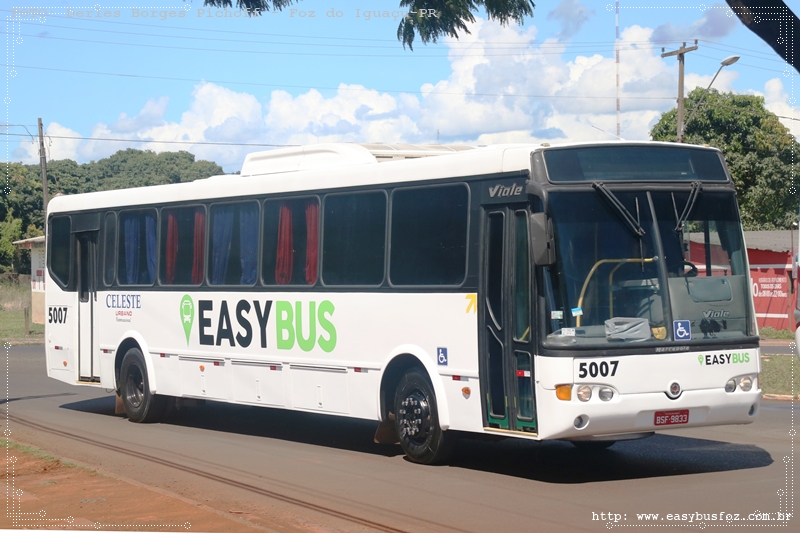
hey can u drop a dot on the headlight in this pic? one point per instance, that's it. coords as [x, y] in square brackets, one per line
[584, 393]
[746, 383]
[730, 386]
[605, 393]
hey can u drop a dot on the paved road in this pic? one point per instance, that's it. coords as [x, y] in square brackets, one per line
[309, 472]
[778, 347]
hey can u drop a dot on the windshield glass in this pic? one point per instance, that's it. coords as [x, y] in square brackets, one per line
[613, 285]
[631, 163]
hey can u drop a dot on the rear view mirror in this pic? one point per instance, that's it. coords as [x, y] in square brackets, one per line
[544, 253]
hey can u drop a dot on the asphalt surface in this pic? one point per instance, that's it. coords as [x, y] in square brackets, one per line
[323, 473]
[777, 347]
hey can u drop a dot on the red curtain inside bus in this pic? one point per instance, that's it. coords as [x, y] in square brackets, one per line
[172, 247]
[199, 246]
[312, 239]
[285, 259]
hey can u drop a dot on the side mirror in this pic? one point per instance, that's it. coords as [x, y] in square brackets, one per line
[543, 245]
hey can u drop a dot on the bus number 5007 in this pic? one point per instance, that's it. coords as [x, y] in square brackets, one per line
[57, 315]
[605, 369]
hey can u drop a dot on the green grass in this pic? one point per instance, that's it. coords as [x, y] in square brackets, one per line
[41, 454]
[777, 374]
[772, 333]
[14, 298]
[12, 328]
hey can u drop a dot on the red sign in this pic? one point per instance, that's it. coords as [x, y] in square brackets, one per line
[669, 418]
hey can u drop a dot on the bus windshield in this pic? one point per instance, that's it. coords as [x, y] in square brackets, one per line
[646, 267]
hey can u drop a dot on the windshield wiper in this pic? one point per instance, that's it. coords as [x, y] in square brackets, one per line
[687, 209]
[632, 223]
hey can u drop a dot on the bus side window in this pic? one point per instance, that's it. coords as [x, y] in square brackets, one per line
[183, 233]
[233, 244]
[291, 242]
[136, 258]
[354, 239]
[109, 248]
[429, 235]
[60, 249]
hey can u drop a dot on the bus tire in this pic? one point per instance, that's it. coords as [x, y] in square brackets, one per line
[417, 421]
[140, 404]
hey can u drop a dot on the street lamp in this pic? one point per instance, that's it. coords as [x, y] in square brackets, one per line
[730, 60]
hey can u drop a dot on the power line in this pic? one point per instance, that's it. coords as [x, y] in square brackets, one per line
[725, 48]
[739, 48]
[742, 64]
[285, 86]
[208, 30]
[743, 110]
[492, 45]
[533, 52]
[263, 52]
[261, 34]
[151, 141]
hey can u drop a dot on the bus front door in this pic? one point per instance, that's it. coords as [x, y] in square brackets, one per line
[86, 267]
[506, 352]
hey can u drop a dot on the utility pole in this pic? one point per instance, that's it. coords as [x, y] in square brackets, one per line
[680, 52]
[43, 167]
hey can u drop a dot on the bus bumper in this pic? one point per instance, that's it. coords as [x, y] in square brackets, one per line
[636, 413]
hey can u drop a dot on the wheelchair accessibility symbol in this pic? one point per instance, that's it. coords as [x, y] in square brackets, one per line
[441, 356]
[682, 330]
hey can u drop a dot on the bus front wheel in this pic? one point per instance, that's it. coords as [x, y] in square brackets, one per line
[140, 404]
[417, 421]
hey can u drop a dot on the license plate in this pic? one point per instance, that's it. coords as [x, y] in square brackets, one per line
[668, 418]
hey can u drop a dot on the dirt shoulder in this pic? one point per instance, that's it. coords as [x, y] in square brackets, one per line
[48, 493]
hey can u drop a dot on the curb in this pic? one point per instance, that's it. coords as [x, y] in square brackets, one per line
[785, 397]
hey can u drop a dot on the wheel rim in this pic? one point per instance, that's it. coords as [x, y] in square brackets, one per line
[134, 392]
[414, 417]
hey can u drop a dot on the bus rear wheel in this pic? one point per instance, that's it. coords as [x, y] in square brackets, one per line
[140, 404]
[417, 421]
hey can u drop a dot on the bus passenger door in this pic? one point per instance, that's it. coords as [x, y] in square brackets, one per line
[506, 350]
[86, 277]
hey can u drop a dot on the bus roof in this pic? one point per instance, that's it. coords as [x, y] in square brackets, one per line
[330, 165]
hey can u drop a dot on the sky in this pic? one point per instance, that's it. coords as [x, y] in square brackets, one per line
[182, 76]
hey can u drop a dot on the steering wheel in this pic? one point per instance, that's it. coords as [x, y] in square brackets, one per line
[692, 269]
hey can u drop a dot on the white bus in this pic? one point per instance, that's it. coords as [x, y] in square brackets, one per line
[529, 291]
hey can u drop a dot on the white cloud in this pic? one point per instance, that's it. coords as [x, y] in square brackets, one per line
[572, 15]
[355, 114]
[516, 91]
[56, 147]
[716, 22]
[152, 114]
[215, 114]
[777, 101]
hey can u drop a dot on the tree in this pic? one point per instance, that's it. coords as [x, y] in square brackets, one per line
[430, 19]
[757, 147]
[125, 169]
[10, 231]
[774, 22]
